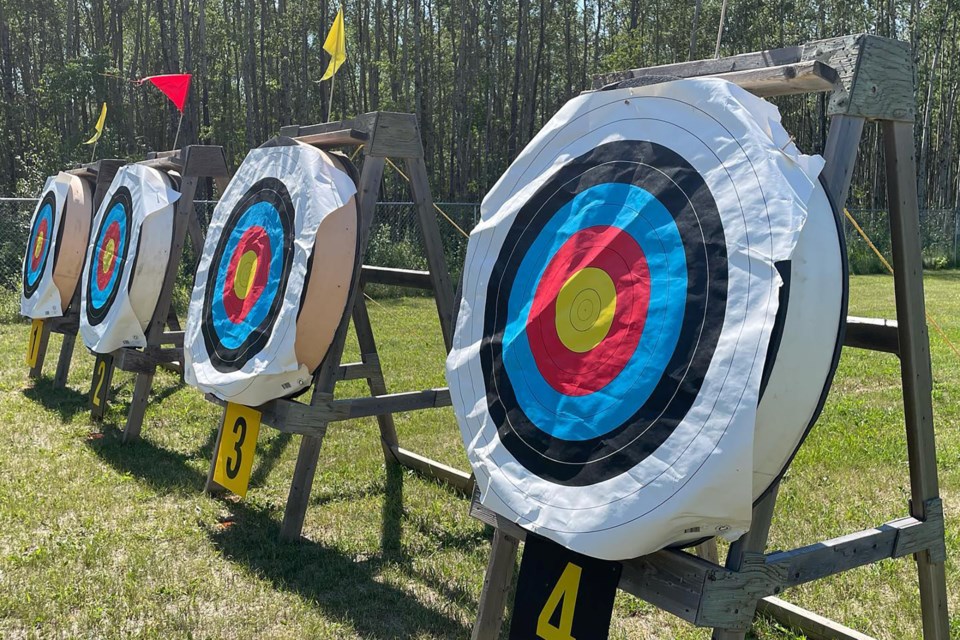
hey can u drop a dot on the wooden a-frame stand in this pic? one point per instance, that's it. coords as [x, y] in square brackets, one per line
[99, 175]
[870, 78]
[383, 135]
[164, 348]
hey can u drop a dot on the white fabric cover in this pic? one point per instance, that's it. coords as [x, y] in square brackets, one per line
[317, 189]
[73, 202]
[699, 481]
[141, 279]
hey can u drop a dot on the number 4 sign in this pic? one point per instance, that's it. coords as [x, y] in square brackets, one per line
[562, 595]
[238, 440]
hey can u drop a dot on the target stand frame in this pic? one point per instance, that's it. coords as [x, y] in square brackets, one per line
[382, 135]
[98, 175]
[164, 347]
[868, 78]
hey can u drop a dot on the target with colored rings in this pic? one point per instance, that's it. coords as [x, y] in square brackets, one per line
[251, 264]
[127, 258]
[574, 384]
[619, 298]
[273, 280]
[39, 243]
[111, 247]
[53, 257]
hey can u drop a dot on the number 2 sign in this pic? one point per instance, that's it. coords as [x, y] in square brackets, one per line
[238, 441]
[562, 595]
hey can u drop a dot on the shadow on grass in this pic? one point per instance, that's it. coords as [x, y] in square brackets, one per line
[65, 401]
[161, 469]
[339, 584]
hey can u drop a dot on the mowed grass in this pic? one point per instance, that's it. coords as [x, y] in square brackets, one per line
[101, 539]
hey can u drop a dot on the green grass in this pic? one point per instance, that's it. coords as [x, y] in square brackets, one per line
[100, 539]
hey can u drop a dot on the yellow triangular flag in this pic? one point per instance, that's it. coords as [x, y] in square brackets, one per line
[335, 45]
[99, 126]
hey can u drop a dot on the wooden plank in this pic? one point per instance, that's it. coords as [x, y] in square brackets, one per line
[811, 76]
[359, 370]
[375, 382]
[891, 540]
[138, 406]
[137, 361]
[840, 154]
[708, 551]
[290, 416]
[212, 487]
[742, 62]
[172, 337]
[396, 277]
[457, 479]
[813, 625]
[205, 161]
[63, 362]
[340, 138]
[875, 77]
[395, 135]
[915, 372]
[496, 586]
[875, 334]
[433, 244]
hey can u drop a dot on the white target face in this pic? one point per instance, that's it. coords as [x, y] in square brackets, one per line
[273, 281]
[56, 246]
[127, 258]
[619, 297]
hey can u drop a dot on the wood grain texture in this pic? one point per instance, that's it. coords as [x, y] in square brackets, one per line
[814, 626]
[496, 586]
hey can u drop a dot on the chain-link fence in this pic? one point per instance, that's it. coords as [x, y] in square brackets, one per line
[395, 240]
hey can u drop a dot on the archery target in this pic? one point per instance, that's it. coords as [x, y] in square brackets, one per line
[273, 281]
[619, 297]
[55, 246]
[127, 258]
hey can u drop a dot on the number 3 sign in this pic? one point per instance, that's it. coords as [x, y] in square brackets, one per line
[562, 595]
[238, 440]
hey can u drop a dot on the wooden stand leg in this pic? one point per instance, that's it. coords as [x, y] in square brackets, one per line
[296, 510]
[753, 541]
[138, 406]
[708, 551]
[37, 369]
[63, 363]
[915, 372]
[213, 487]
[496, 586]
[376, 383]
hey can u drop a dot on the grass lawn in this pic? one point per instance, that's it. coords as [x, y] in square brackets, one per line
[99, 539]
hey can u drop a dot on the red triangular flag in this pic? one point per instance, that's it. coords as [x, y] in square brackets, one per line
[174, 85]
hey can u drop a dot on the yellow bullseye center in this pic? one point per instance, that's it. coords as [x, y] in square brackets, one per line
[108, 254]
[38, 245]
[246, 271]
[585, 307]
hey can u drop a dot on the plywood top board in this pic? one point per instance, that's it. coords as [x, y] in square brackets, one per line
[875, 76]
[389, 134]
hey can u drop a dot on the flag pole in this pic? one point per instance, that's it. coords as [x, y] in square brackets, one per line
[333, 79]
[94, 153]
[177, 137]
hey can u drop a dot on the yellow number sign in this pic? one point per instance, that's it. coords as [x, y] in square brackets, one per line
[33, 346]
[238, 441]
[564, 594]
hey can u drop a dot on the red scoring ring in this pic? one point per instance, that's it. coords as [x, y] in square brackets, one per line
[253, 239]
[103, 275]
[615, 252]
[35, 255]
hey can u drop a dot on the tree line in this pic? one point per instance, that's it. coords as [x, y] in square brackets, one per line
[481, 75]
